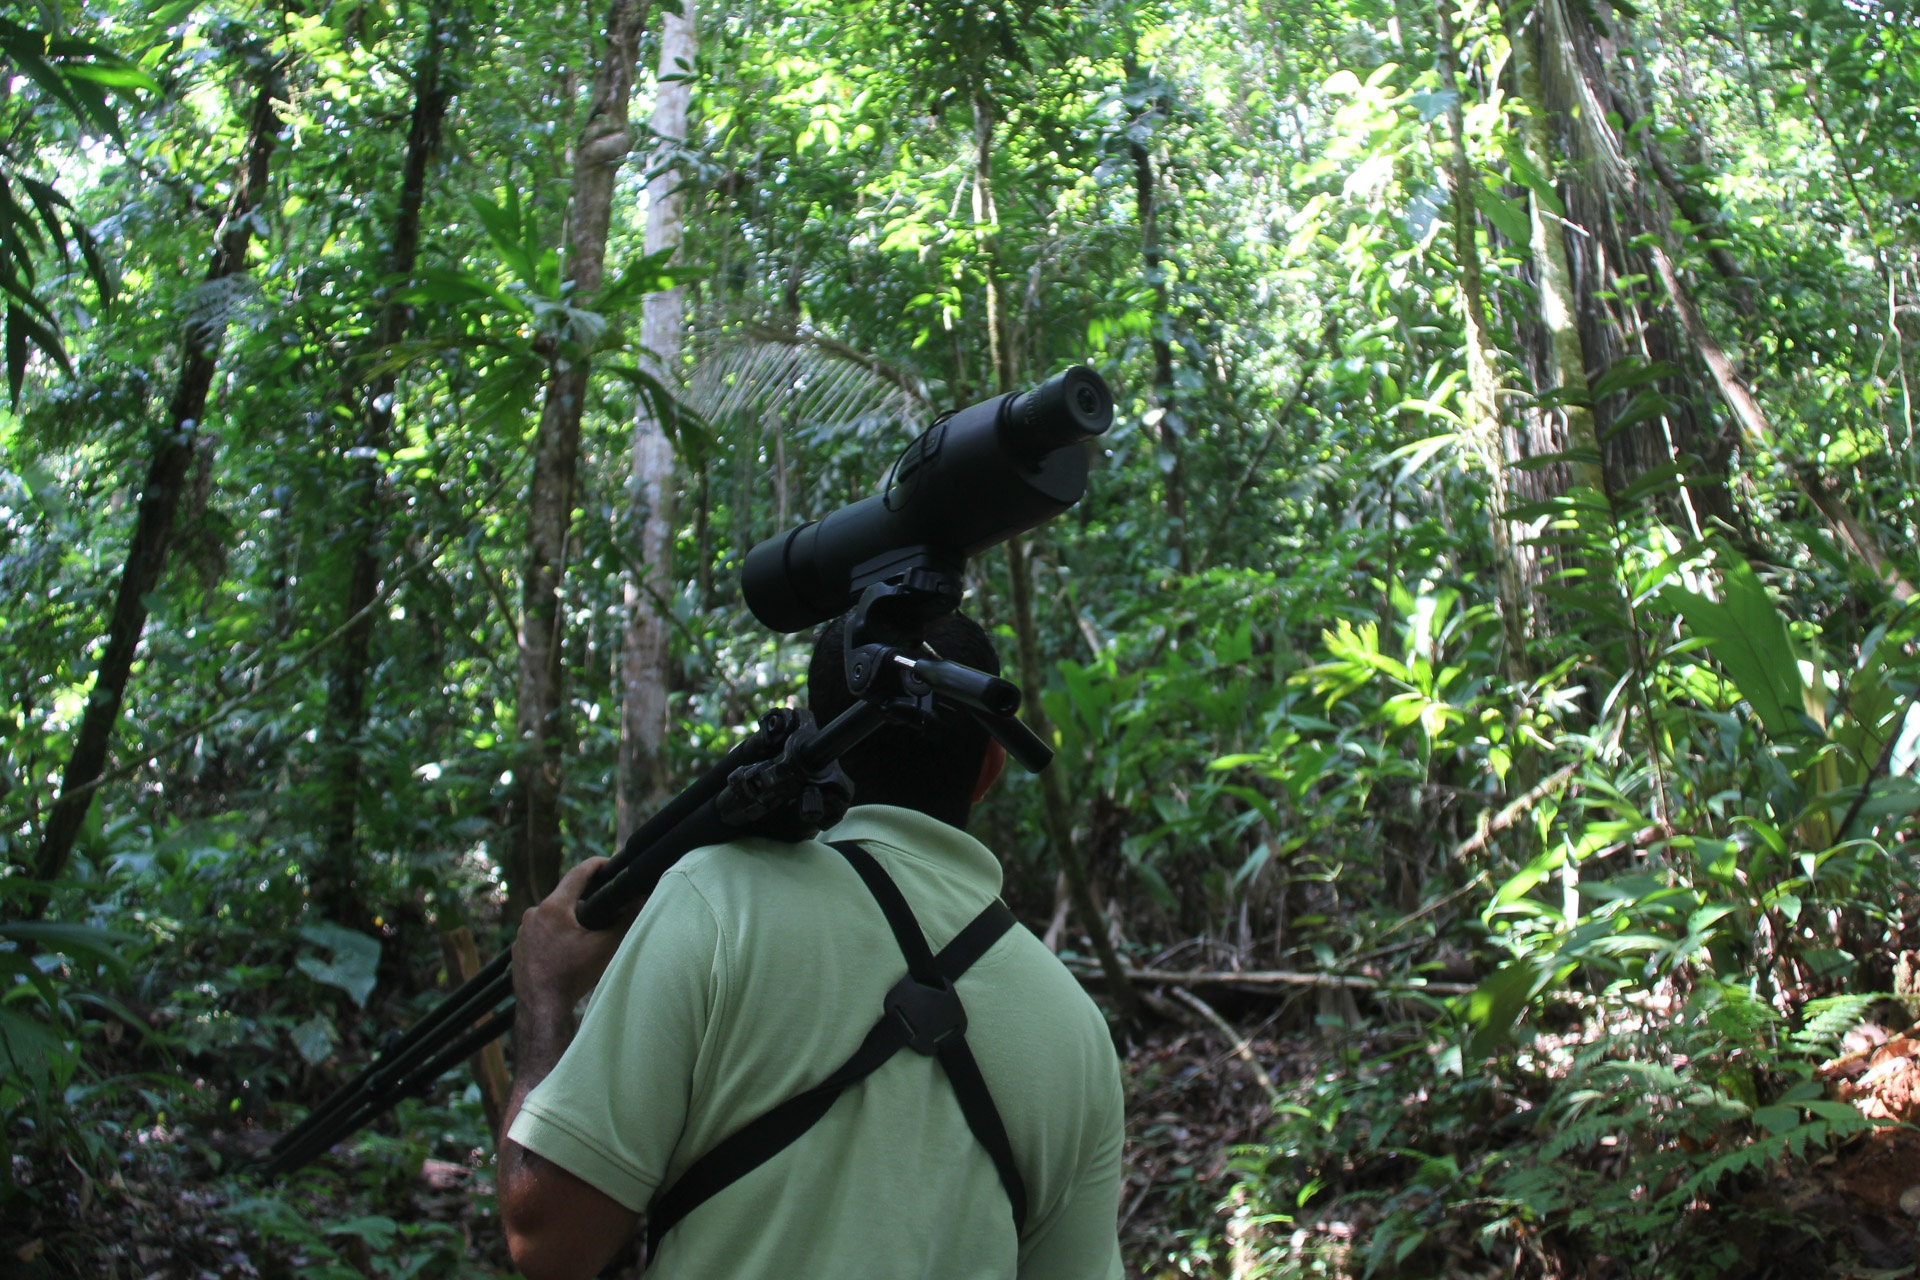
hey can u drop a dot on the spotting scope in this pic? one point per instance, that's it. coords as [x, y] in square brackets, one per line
[976, 477]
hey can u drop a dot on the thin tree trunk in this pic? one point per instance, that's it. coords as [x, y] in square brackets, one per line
[1053, 791]
[1147, 207]
[540, 720]
[333, 883]
[641, 780]
[159, 499]
[1755, 428]
[1484, 389]
[986, 222]
[1054, 808]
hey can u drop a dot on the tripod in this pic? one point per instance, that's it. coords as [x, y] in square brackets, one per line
[783, 782]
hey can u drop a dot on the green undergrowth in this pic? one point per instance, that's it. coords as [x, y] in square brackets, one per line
[155, 1040]
[1630, 1146]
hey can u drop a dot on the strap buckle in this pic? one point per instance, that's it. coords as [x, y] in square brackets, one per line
[928, 1015]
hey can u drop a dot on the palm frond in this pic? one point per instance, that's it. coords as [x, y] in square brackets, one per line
[808, 379]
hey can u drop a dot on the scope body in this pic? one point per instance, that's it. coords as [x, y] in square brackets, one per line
[970, 482]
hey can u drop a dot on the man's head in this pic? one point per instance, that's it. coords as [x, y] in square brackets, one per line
[940, 771]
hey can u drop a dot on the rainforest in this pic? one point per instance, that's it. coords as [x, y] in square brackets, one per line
[1481, 674]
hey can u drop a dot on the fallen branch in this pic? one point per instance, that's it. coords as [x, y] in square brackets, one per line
[1268, 979]
[1242, 1049]
[1510, 815]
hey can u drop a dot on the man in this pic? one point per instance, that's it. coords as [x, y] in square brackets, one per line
[753, 974]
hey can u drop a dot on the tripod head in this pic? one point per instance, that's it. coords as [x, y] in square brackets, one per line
[887, 662]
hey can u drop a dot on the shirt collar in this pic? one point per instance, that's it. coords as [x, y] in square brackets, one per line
[917, 835]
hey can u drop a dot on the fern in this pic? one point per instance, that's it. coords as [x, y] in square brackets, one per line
[1582, 1134]
[1826, 1123]
[1827, 1021]
[1651, 1077]
[1738, 1014]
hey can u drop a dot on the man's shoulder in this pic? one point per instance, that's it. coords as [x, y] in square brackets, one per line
[1054, 994]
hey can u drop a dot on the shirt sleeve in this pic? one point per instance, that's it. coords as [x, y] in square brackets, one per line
[612, 1110]
[1082, 1242]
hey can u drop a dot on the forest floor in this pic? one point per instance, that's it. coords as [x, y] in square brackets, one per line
[175, 1209]
[419, 1203]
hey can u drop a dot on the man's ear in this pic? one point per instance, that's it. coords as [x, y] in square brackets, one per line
[990, 766]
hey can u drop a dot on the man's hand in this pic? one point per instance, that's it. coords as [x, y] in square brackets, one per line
[555, 961]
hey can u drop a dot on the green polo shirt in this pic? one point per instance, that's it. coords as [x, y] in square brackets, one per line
[753, 972]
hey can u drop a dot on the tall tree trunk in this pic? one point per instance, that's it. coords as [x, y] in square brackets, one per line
[333, 882]
[1573, 60]
[160, 497]
[1053, 792]
[641, 780]
[1172, 428]
[986, 224]
[1559, 308]
[540, 720]
[1484, 389]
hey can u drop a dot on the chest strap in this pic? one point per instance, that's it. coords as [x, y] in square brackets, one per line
[922, 1012]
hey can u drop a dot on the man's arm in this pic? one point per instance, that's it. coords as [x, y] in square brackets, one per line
[558, 1226]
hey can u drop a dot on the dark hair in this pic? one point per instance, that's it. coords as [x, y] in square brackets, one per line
[930, 769]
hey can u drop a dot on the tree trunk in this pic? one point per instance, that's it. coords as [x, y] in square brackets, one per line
[159, 500]
[1559, 308]
[1053, 792]
[641, 782]
[540, 720]
[1054, 809]
[986, 222]
[1172, 427]
[1573, 59]
[332, 884]
[1484, 389]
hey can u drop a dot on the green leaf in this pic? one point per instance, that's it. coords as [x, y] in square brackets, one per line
[1664, 478]
[452, 285]
[69, 939]
[315, 1038]
[1541, 461]
[1495, 1006]
[1645, 405]
[354, 965]
[376, 1230]
[1157, 886]
[1627, 372]
[32, 1054]
[1747, 636]
[1503, 213]
[1530, 177]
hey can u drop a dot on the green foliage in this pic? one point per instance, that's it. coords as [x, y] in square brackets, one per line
[1658, 830]
[80, 78]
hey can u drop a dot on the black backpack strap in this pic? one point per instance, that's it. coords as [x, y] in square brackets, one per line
[922, 1012]
[947, 1039]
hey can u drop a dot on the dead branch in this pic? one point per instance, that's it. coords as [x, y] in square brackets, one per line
[1269, 979]
[1239, 1043]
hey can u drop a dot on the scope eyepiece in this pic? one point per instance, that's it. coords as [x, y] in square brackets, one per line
[1071, 406]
